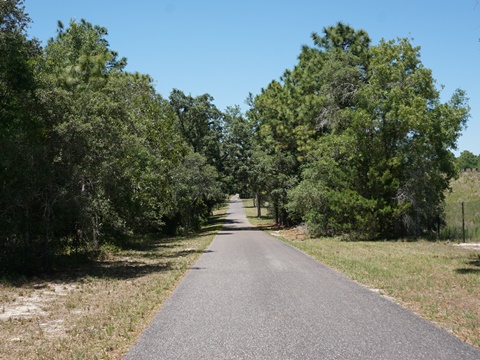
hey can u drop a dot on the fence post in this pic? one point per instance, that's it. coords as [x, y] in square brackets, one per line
[463, 220]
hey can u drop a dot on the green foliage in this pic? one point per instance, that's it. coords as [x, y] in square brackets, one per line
[465, 189]
[369, 135]
[196, 192]
[92, 152]
[353, 140]
[468, 160]
[237, 147]
[100, 123]
[21, 133]
[198, 183]
[79, 56]
[343, 38]
[404, 135]
[199, 121]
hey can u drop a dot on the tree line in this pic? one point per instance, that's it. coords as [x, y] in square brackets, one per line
[352, 141]
[90, 152]
[468, 160]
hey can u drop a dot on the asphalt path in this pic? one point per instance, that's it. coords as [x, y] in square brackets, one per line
[250, 296]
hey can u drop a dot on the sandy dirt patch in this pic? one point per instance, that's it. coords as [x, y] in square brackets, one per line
[473, 246]
[35, 304]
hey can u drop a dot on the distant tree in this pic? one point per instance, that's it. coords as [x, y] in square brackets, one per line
[467, 160]
[236, 147]
[201, 180]
[199, 121]
[196, 191]
[275, 161]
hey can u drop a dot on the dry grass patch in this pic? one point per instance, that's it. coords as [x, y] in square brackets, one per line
[98, 311]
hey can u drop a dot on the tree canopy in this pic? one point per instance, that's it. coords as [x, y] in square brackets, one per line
[468, 160]
[91, 152]
[369, 140]
[353, 140]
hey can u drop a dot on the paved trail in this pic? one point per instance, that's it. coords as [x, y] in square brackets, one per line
[251, 296]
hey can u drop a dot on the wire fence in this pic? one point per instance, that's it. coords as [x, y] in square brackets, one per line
[462, 222]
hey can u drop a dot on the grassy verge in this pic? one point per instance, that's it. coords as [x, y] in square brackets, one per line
[265, 220]
[98, 311]
[465, 189]
[437, 280]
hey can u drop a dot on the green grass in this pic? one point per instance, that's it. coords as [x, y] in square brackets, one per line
[266, 220]
[98, 310]
[465, 189]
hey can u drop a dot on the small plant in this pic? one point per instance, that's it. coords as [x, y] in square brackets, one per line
[109, 329]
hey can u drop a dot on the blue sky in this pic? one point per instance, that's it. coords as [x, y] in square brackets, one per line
[231, 48]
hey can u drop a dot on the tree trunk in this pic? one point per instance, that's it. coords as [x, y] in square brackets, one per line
[95, 233]
[275, 206]
[257, 202]
[27, 256]
[76, 240]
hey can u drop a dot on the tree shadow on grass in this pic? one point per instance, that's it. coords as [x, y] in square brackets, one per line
[147, 242]
[156, 252]
[474, 267]
[152, 254]
[82, 270]
[137, 258]
[183, 253]
[214, 225]
[120, 270]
